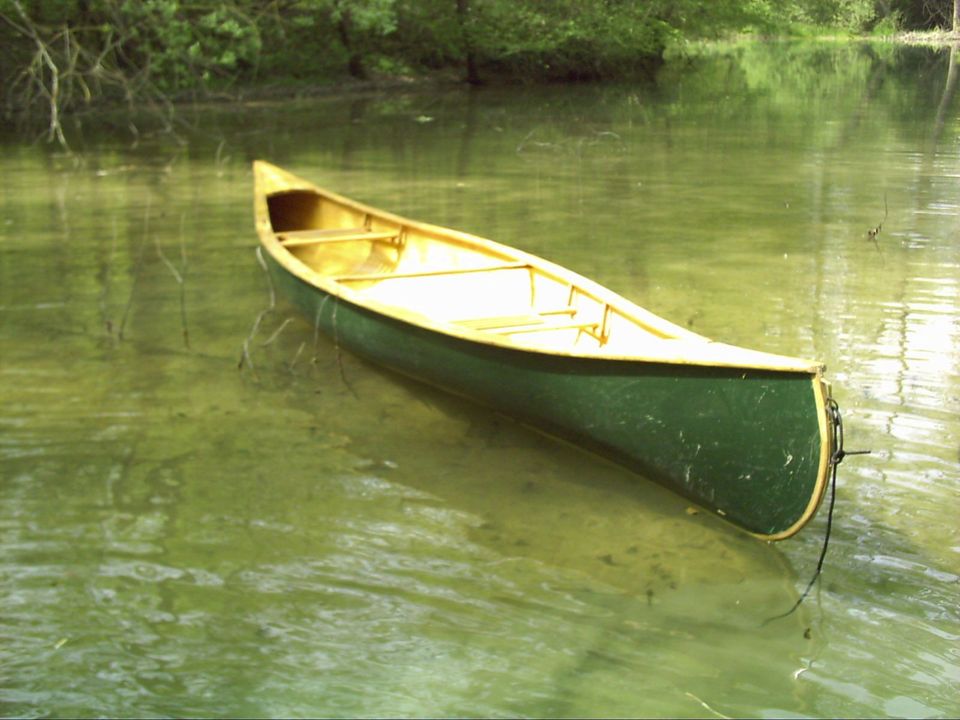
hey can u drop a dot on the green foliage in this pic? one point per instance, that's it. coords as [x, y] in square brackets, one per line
[183, 46]
[567, 39]
[889, 25]
[429, 34]
[373, 17]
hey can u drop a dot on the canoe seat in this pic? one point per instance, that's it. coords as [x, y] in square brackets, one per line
[590, 327]
[543, 321]
[503, 321]
[425, 273]
[299, 238]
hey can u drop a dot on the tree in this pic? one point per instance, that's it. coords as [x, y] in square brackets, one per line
[927, 14]
[465, 22]
[358, 23]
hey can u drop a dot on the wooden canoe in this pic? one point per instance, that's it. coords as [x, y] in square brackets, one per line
[744, 434]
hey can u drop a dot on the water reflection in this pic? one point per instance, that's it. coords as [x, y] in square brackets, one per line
[318, 537]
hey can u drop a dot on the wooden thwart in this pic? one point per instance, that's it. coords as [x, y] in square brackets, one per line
[543, 321]
[590, 327]
[428, 273]
[297, 238]
[504, 321]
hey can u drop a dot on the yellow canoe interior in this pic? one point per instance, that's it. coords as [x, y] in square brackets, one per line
[468, 286]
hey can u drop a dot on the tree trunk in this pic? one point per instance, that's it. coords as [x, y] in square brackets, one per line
[466, 35]
[949, 89]
[355, 61]
[956, 16]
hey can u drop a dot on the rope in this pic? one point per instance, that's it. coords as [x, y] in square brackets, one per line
[839, 453]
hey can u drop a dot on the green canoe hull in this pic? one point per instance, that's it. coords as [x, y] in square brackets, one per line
[745, 444]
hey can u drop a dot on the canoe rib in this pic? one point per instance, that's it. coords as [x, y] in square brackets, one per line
[744, 434]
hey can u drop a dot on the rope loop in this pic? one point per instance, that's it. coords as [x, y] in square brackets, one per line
[836, 457]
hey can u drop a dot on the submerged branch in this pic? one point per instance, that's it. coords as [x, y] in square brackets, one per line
[138, 268]
[179, 274]
[706, 707]
[276, 333]
[245, 357]
[874, 231]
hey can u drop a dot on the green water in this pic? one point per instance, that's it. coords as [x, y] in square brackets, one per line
[309, 535]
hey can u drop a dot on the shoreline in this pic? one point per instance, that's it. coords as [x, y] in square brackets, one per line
[270, 93]
[930, 38]
[933, 38]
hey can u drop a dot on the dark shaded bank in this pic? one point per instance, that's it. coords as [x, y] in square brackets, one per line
[58, 58]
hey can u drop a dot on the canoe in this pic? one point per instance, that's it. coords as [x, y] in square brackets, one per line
[744, 434]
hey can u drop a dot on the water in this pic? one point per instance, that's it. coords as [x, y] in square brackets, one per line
[312, 536]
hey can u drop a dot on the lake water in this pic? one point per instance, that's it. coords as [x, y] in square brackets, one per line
[310, 535]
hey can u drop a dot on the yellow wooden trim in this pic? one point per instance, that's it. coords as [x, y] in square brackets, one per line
[605, 325]
[320, 232]
[545, 326]
[569, 310]
[488, 323]
[336, 238]
[426, 273]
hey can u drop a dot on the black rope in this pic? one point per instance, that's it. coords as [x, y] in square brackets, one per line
[836, 424]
